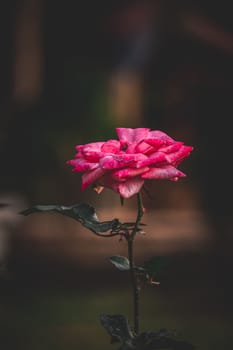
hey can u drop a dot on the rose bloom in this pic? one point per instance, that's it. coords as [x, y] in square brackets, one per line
[123, 165]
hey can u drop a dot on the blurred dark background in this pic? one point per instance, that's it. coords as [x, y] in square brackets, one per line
[71, 72]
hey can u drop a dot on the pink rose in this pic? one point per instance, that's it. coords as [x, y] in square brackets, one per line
[123, 165]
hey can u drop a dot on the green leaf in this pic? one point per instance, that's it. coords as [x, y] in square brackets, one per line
[155, 266]
[118, 328]
[83, 213]
[120, 262]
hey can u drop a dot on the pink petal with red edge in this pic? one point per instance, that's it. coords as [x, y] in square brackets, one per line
[111, 146]
[132, 135]
[157, 143]
[171, 148]
[128, 172]
[92, 151]
[126, 188]
[93, 147]
[130, 187]
[91, 176]
[93, 156]
[110, 162]
[156, 158]
[160, 135]
[127, 158]
[143, 147]
[82, 165]
[79, 147]
[90, 147]
[166, 172]
[182, 153]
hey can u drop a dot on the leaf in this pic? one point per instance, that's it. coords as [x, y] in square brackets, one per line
[83, 213]
[120, 262]
[155, 266]
[118, 328]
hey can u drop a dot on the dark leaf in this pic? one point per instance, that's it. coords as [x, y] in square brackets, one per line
[120, 331]
[118, 328]
[83, 213]
[120, 262]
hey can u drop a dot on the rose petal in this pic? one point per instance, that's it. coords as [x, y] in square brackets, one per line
[171, 148]
[156, 143]
[92, 151]
[130, 187]
[183, 152]
[132, 135]
[82, 165]
[118, 175]
[160, 135]
[111, 146]
[143, 147]
[125, 188]
[155, 158]
[91, 176]
[111, 162]
[118, 161]
[166, 172]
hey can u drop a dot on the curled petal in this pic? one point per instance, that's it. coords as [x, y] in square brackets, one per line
[128, 188]
[128, 172]
[171, 148]
[156, 143]
[111, 146]
[153, 159]
[111, 162]
[82, 165]
[160, 135]
[178, 156]
[143, 147]
[79, 148]
[90, 147]
[126, 157]
[132, 135]
[91, 177]
[114, 162]
[92, 151]
[166, 172]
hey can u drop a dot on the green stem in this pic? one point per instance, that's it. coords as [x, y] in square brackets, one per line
[133, 274]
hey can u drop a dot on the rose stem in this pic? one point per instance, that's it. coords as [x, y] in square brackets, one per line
[133, 275]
